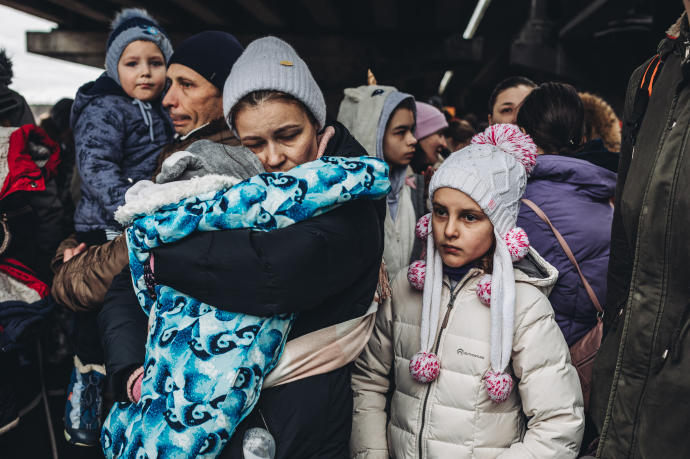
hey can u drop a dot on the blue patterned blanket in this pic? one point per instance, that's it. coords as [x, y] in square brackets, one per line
[204, 367]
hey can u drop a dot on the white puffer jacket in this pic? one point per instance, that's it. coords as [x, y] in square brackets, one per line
[453, 416]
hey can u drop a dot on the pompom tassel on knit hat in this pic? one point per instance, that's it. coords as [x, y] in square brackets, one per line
[493, 171]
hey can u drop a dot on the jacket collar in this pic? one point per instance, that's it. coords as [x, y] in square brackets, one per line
[535, 270]
[215, 131]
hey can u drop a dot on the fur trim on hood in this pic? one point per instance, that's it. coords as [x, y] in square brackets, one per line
[674, 31]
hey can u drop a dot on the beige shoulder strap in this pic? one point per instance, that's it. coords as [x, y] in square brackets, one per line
[568, 252]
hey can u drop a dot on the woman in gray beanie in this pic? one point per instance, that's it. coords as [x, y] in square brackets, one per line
[325, 268]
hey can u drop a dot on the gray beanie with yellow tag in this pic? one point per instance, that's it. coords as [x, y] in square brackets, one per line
[269, 63]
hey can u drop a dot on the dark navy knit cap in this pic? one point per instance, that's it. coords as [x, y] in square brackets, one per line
[211, 54]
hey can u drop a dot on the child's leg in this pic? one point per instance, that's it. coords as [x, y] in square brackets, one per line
[84, 400]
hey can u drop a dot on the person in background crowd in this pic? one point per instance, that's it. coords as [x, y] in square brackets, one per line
[29, 213]
[506, 98]
[601, 122]
[455, 337]
[14, 111]
[602, 138]
[477, 124]
[118, 126]
[382, 119]
[458, 135]
[431, 144]
[326, 268]
[56, 124]
[641, 391]
[574, 194]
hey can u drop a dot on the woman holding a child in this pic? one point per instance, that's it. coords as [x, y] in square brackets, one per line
[322, 270]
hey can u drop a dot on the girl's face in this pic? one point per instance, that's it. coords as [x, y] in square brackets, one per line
[462, 232]
[399, 140]
[279, 132]
[141, 70]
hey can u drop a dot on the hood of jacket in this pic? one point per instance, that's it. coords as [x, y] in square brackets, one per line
[586, 178]
[365, 112]
[535, 270]
[28, 158]
[102, 86]
[676, 28]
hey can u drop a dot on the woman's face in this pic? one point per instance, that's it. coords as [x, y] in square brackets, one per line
[399, 140]
[462, 232]
[508, 103]
[279, 132]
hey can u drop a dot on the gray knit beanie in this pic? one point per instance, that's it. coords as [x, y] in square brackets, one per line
[269, 63]
[132, 24]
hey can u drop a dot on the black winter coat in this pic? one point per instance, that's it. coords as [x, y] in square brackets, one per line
[325, 268]
[640, 396]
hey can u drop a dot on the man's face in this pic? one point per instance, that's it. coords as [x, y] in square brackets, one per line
[192, 101]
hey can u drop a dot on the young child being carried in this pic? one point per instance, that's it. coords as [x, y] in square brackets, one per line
[480, 367]
[119, 127]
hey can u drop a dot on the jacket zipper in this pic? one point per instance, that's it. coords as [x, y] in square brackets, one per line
[449, 308]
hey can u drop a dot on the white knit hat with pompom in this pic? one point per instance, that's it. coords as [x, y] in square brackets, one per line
[493, 171]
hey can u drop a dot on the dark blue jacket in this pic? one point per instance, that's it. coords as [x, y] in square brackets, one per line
[116, 141]
[575, 195]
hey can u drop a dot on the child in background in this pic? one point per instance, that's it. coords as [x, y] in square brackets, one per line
[479, 366]
[119, 127]
[382, 119]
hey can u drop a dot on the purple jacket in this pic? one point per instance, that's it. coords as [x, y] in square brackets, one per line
[575, 195]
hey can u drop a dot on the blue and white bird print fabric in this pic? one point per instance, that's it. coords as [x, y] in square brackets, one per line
[204, 367]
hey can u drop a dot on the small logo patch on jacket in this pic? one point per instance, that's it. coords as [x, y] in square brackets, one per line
[461, 351]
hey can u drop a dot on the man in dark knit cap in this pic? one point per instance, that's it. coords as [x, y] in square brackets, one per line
[196, 73]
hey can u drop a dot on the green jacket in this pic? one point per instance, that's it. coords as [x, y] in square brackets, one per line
[640, 400]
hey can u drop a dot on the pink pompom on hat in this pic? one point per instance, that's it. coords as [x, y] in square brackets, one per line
[429, 120]
[493, 171]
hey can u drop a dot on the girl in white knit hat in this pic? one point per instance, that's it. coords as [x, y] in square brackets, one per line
[468, 339]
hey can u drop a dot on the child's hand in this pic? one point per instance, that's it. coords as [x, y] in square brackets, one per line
[71, 253]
